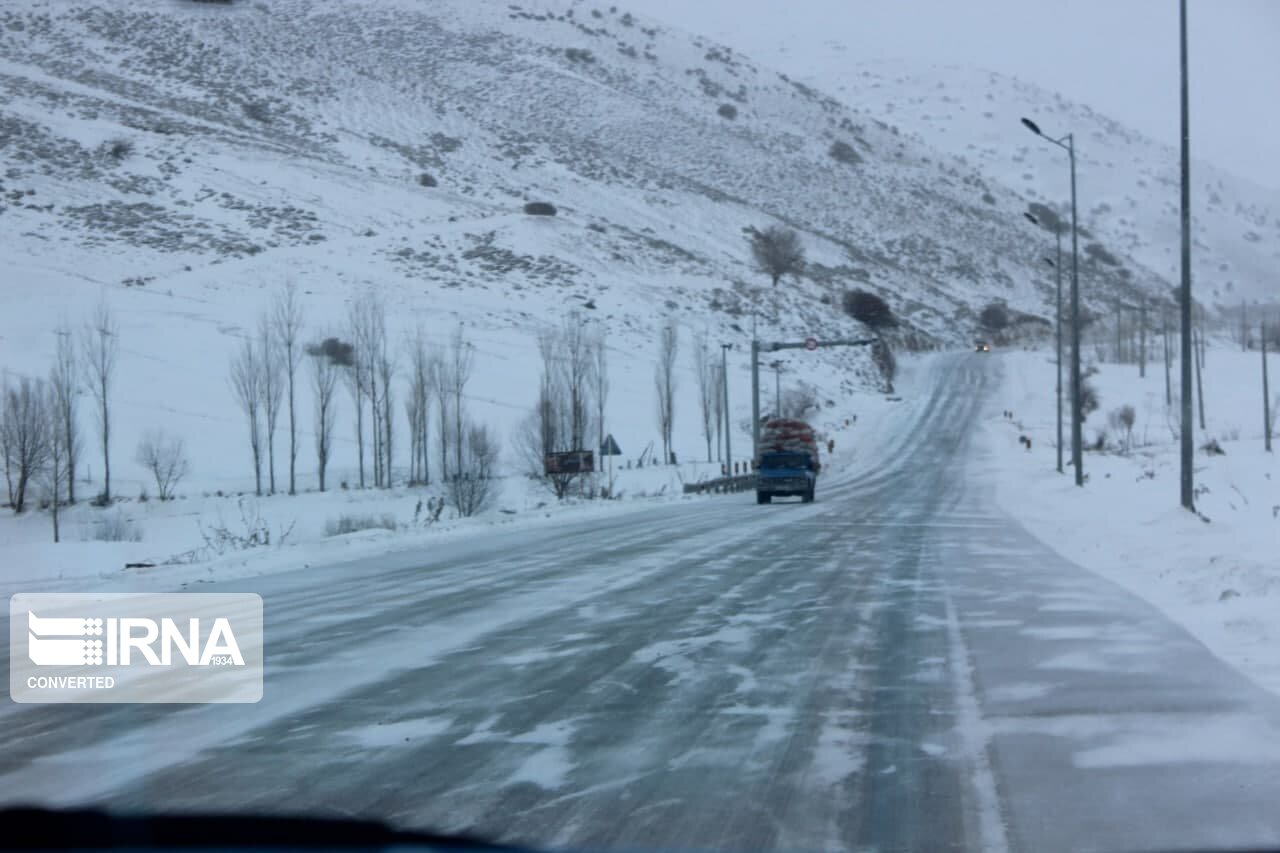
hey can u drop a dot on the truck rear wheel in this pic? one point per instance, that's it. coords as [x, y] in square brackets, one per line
[807, 497]
[762, 498]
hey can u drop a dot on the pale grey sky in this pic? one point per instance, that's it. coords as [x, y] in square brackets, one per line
[1118, 56]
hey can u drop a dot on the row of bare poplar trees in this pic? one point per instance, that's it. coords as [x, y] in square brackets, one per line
[264, 377]
[40, 442]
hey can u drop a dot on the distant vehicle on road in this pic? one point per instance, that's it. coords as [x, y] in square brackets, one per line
[982, 346]
[788, 463]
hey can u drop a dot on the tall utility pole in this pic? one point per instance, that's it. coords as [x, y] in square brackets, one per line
[1188, 446]
[1057, 266]
[724, 381]
[1077, 427]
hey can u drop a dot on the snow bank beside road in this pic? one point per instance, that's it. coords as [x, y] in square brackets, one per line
[1218, 577]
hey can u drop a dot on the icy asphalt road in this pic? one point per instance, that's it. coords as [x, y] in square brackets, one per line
[896, 667]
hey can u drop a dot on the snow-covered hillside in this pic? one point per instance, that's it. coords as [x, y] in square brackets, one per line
[187, 159]
[1128, 184]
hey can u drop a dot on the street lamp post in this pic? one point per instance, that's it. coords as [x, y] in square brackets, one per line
[1188, 449]
[724, 382]
[1077, 427]
[1056, 263]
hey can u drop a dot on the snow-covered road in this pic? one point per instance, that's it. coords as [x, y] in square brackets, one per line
[898, 666]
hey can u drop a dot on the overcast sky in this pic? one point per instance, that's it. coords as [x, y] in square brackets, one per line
[1118, 56]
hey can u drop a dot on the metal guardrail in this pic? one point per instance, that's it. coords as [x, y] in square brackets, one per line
[739, 483]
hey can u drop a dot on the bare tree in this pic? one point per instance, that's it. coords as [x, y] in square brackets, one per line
[386, 372]
[26, 426]
[441, 382]
[100, 348]
[64, 379]
[546, 430]
[776, 252]
[473, 487]
[704, 372]
[600, 380]
[1198, 341]
[373, 342]
[328, 359]
[1266, 388]
[418, 408]
[717, 406]
[246, 384]
[57, 471]
[665, 383]
[576, 363]
[365, 331]
[272, 388]
[461, 361]
[286, 318]
[164, 457]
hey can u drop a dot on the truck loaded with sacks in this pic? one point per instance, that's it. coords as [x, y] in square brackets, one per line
[787, 462]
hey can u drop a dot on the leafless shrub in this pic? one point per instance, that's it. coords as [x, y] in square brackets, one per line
[1121, 421]
[114, 527]
[118, 149]
[254, 532]
[429, 513]
[344, 524]
[472, 487]
[540, 208]
[258, 111]
[164, 457]
[869, 309]
[843, 152]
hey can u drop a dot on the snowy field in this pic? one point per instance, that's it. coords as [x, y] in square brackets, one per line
[1217, 575]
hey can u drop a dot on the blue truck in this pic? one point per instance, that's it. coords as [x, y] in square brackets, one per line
[785, 474]
[788, 462]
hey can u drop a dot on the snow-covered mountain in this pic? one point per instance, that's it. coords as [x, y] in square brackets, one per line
[267, 134]
[1128, 184]
[190, 157]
